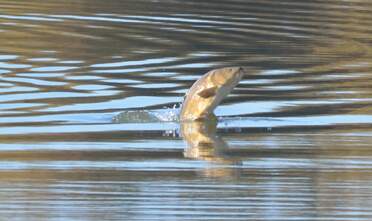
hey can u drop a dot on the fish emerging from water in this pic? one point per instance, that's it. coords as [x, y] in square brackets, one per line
[207, 93]
[199, 103]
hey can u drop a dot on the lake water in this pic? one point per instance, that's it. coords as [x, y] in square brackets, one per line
[294, 140]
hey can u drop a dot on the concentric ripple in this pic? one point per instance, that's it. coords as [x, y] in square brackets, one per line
[81, 82]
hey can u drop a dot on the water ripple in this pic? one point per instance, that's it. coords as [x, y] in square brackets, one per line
[80, 82]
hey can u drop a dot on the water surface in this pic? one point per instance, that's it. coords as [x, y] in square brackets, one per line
[293, 141]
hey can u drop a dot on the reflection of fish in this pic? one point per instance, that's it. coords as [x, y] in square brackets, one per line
[203, 143]
[207, 92]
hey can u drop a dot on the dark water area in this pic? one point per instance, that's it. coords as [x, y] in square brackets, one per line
[294, 139]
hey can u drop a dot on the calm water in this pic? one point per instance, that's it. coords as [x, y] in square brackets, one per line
[294, 141]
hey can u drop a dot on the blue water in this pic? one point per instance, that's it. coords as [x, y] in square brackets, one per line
[81, 82]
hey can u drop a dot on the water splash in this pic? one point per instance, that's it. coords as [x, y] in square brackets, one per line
[148, 116]
[168, 115]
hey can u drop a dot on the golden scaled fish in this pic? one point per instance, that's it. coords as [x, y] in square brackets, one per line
[207, 93]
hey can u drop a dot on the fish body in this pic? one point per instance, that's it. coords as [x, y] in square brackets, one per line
[207, 93]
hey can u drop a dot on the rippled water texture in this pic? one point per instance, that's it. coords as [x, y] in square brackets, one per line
[293, 142]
